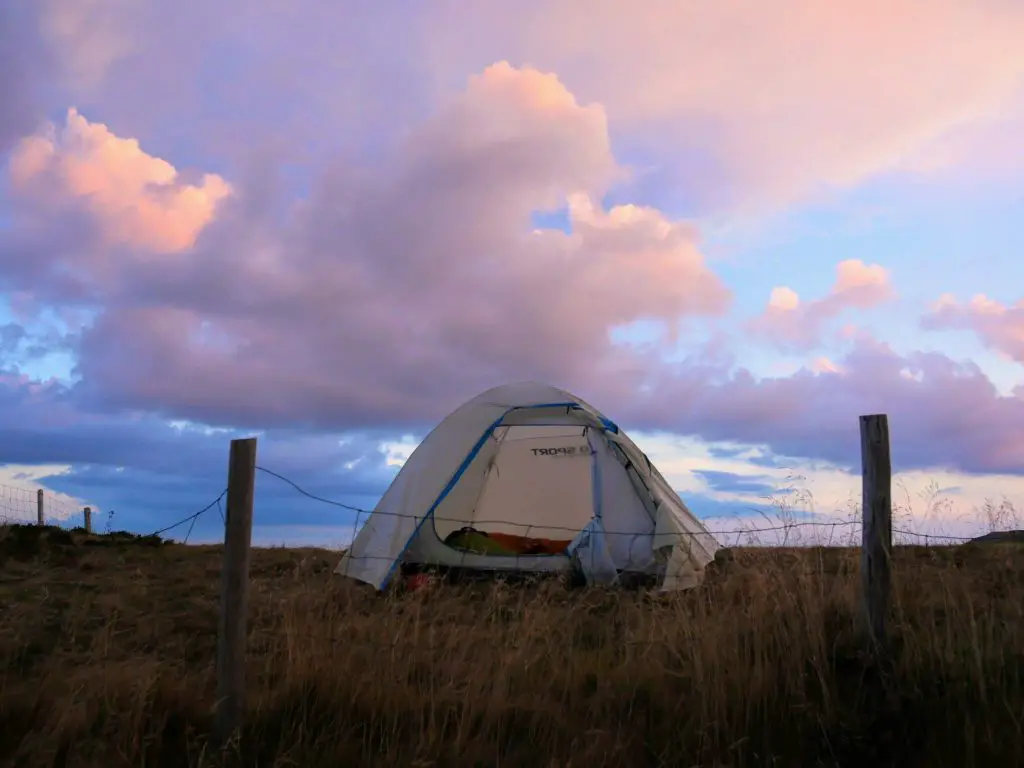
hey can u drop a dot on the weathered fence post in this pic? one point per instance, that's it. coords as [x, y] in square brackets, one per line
[234, 594]
[40, 515]
[876, 505]
[87, 513]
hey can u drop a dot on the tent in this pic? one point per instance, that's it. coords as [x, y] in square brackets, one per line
[527, 477]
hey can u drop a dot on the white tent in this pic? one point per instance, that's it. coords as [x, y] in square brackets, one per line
[527, 477]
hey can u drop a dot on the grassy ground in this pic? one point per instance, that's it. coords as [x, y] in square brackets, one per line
[107, 646]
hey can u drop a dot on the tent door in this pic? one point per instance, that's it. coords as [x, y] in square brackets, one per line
[589, 550]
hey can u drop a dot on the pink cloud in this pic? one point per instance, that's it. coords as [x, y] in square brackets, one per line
[427, 276]
[776, 100]
[136, 199]
[787, 97]
[302, 79]
[999, 327]
[825, 365]
[791, 323]
[385, 299]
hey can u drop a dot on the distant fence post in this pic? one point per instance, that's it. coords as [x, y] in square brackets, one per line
[234, 594]
[40, 515]
[87, 513]
[876, 507]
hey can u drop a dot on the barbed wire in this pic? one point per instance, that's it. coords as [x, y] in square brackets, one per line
[822, 521]
[22, 502]
[193, 517]
[933, 535]
[313, 496]
[544, 526]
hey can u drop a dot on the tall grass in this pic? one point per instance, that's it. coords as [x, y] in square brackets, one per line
[107, 646]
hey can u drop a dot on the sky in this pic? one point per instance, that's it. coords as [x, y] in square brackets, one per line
[732, 227]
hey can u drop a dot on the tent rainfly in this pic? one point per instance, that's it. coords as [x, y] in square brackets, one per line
[527, 477]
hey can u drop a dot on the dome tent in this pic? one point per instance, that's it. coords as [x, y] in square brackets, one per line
[527, 477]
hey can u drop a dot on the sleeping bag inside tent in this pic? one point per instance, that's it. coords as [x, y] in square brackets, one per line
[527, 477]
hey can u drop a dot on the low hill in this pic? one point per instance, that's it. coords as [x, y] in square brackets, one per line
[1001, 537]
[107, 645]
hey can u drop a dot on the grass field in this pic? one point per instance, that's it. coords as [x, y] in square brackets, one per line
[108, 642]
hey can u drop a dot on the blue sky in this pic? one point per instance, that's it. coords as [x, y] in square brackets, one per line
[317, 228]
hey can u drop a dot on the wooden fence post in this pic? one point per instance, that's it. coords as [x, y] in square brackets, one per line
[87, 512]
[40, 516]
[234, 594]
[876, 507]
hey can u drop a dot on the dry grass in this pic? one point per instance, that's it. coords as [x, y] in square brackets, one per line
[107, 646]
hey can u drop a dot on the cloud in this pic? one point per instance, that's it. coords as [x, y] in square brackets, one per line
[90, 36]
[151, 473]
[137, 200]
[742, 118]
[302, 79]
[731, 482]
[778, 99]
[943, 413]
[925, 500]
[387, 295]
[378, 297]
[998, 326]
[791, 324]
[99, 445]
[142, 474]
[20, 345]
[825, 365]
[382, 301]
[25, 64]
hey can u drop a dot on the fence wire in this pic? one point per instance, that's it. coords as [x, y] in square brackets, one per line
[20, 505]
[191, 519]
[820, 521]
[17, 504]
